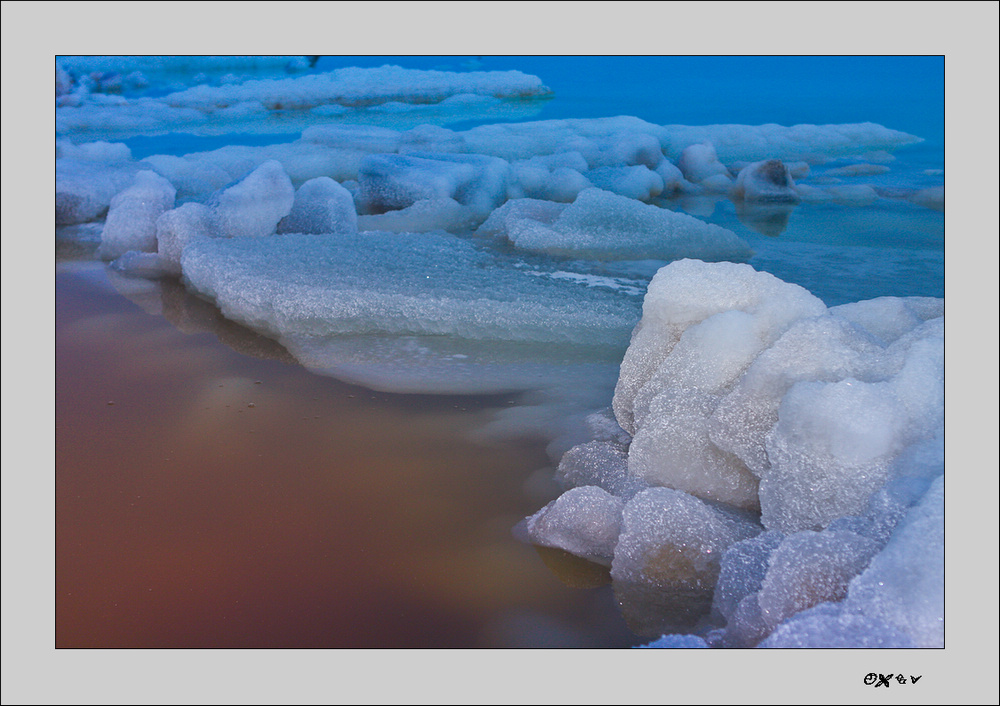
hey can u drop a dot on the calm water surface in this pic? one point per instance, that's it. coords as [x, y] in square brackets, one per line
[212, 498]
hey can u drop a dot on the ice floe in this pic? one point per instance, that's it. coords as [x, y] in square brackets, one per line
[401, 283]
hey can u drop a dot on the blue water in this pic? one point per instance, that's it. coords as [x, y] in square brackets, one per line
[905, 93]
[840, 253]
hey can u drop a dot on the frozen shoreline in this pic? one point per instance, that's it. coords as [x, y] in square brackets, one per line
[221, 219]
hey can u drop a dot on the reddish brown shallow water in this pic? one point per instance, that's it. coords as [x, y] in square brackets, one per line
[210, 498]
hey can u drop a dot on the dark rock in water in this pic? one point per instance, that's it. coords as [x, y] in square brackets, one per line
[769, 181]
[773, 171]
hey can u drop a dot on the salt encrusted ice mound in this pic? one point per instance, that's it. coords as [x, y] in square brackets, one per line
[744, 390]
[599, 463]
[601, 142]
[734, 377]
[99, 151]
[253, 206]
[742, 571]
[752, 143]
[904, 584]
[700, 164]
[131, 222]
[392, 182]
[809, 568]
[321, 205]
[678, 642]
[666, 559]
[85, 187]
[554, 160]
[584, 521]
[767, 182]
[412, 312]
[424, 215]
[606, 226]
[701, 326]
[897, 601]
[176, 228]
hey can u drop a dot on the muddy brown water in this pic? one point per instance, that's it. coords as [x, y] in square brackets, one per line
[210, 492]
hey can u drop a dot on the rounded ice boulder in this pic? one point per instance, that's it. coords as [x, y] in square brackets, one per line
[131, 222]
[321, 205]
[583, 521]
[254, 205]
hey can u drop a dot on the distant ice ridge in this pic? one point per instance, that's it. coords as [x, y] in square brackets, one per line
[292, 103]
[181, 63]
[752, 143]
[741, 392]
[356, 87]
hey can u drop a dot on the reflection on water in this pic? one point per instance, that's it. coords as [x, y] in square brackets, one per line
[191, 314]
[767, 219]
[212, 498]
[675, 597]
[572, 570]
[652, 610]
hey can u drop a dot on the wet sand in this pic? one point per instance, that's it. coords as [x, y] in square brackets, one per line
[212, 498]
